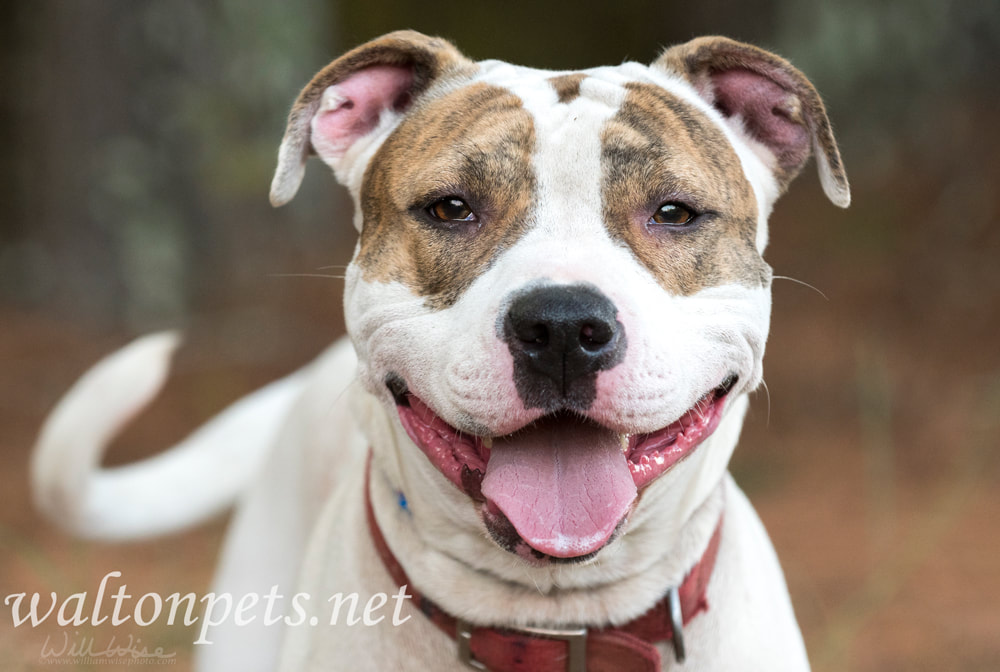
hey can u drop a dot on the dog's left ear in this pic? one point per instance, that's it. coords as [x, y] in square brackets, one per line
[763, 96]
[346, 103]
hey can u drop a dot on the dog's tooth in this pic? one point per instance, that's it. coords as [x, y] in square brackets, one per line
[488, 442]
[623, 439]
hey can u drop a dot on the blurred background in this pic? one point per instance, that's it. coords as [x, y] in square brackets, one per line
[139, 139]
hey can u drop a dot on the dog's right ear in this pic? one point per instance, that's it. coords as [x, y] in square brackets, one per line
[364, 91]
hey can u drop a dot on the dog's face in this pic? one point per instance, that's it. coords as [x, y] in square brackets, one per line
[558, 285]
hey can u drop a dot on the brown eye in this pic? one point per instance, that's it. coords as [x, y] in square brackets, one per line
[672, 214]
[451, 209]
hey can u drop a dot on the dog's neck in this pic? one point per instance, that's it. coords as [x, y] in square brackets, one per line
[439, 538]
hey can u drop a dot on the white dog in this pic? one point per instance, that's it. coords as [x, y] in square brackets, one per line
[557, 307]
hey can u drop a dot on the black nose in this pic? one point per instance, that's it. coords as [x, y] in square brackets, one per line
[561, 336]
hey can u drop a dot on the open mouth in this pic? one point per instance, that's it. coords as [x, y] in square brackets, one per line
[562, 486]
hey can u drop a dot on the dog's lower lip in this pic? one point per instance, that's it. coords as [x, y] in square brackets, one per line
[651, 455]
[463, 457]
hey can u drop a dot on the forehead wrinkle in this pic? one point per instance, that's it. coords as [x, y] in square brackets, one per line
[467, 156]
[657, 148]
[761, 180]
[677, 149]
[567, 160]
[397, 243]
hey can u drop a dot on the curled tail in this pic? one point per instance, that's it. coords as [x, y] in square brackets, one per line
[186, 484]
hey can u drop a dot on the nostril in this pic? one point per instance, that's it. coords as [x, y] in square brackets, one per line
[593, 337]
[534, 336]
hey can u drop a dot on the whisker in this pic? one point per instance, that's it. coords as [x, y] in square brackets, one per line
[804, 284]
[537, 587]
[767, 391]
[327, 268]
[305, 275]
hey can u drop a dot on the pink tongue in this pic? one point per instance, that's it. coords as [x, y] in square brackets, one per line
[564, 485]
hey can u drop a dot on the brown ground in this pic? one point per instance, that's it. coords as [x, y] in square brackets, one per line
[873, 464]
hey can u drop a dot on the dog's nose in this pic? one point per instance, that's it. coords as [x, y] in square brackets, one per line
[561, 336]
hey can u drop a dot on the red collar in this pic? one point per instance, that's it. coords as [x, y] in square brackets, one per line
[624, 648]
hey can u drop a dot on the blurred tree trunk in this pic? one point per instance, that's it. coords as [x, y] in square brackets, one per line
[67, 95]
[141, 135]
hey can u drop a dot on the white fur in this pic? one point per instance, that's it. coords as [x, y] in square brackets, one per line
[196, 479]
[304, 521]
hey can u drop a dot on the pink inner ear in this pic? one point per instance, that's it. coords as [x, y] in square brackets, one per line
[351, 109]
[770, 113]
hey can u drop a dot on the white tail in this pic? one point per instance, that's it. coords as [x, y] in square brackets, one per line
[188, 483]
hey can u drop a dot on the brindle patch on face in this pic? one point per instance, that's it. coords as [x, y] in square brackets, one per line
[475, 144]
[656, 149]
[567, 86]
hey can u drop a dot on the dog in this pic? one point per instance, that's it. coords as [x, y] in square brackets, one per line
[556, 310]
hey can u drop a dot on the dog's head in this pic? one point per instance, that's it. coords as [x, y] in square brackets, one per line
[559, 286]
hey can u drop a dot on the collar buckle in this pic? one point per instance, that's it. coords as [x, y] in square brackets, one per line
[576, 644]
[676, 623]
